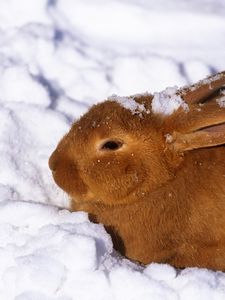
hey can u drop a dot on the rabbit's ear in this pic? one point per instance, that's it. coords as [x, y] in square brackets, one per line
[202, 90]
[203, 126]
[208, 137]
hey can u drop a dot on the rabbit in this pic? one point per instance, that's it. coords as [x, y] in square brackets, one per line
[156, 181]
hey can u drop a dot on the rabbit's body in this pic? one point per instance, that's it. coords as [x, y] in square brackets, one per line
[181, 223]
[156, 182]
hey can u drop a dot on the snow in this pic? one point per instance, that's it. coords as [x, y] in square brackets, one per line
[221, 100]
[167, 101]
[21, 93]
[208, 81]
[57, 58]
[50, 253]
[130, 104]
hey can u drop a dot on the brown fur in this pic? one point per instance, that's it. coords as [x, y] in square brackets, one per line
[162, 200]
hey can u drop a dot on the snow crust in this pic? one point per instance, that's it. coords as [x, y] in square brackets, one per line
[56, 60]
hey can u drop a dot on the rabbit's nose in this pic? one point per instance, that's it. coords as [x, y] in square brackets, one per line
[53, 161]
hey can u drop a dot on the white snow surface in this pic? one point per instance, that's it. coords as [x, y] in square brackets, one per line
[57, 58]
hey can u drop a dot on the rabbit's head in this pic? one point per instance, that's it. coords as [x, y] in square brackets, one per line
[116, 154]
[111, 155]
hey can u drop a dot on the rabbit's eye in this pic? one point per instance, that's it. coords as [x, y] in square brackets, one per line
[111, 145]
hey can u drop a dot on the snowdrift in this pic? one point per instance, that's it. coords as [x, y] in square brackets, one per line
[56, 59]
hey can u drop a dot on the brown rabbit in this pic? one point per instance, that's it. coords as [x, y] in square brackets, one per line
[157, 182]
